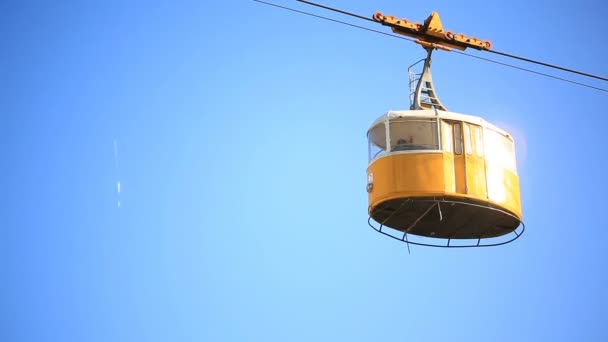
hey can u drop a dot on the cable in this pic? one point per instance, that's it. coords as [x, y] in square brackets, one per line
[492, 51]
[413, 40]
[337, 10]
[330, 19]
[548, 65]
[532, 71]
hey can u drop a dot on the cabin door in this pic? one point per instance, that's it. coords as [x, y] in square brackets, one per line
[453, 144]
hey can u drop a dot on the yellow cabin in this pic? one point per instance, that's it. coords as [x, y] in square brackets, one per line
[421, 158]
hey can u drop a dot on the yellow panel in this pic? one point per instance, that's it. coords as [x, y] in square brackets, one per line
[419, 172]
[448, 173]
[432, 174]
[476, 176]
[408, 174]
[503, 189]
[459, 173]
[513, 199]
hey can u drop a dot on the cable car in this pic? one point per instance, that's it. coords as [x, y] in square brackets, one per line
[438, 174]
[434, 173]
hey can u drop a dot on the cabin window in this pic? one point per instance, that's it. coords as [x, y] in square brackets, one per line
[478, 141]
[377, 141]
[499, 150]
[468, 144]
[447, 137]
[413, 135]
[457, 138]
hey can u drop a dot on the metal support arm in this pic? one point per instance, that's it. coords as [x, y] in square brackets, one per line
[425, 96]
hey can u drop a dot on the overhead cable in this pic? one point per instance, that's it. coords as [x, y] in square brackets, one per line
[459, 52]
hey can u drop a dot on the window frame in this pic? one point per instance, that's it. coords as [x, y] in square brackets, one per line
[511, 163]
[458, 148]
[468, 139]
[436, 143]
[381, 151]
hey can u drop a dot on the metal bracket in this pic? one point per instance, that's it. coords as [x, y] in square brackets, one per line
[424, 96]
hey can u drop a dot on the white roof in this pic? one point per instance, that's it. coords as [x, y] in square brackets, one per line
[434, 113]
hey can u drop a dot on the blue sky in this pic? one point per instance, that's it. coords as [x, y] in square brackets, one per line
[241, 153]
